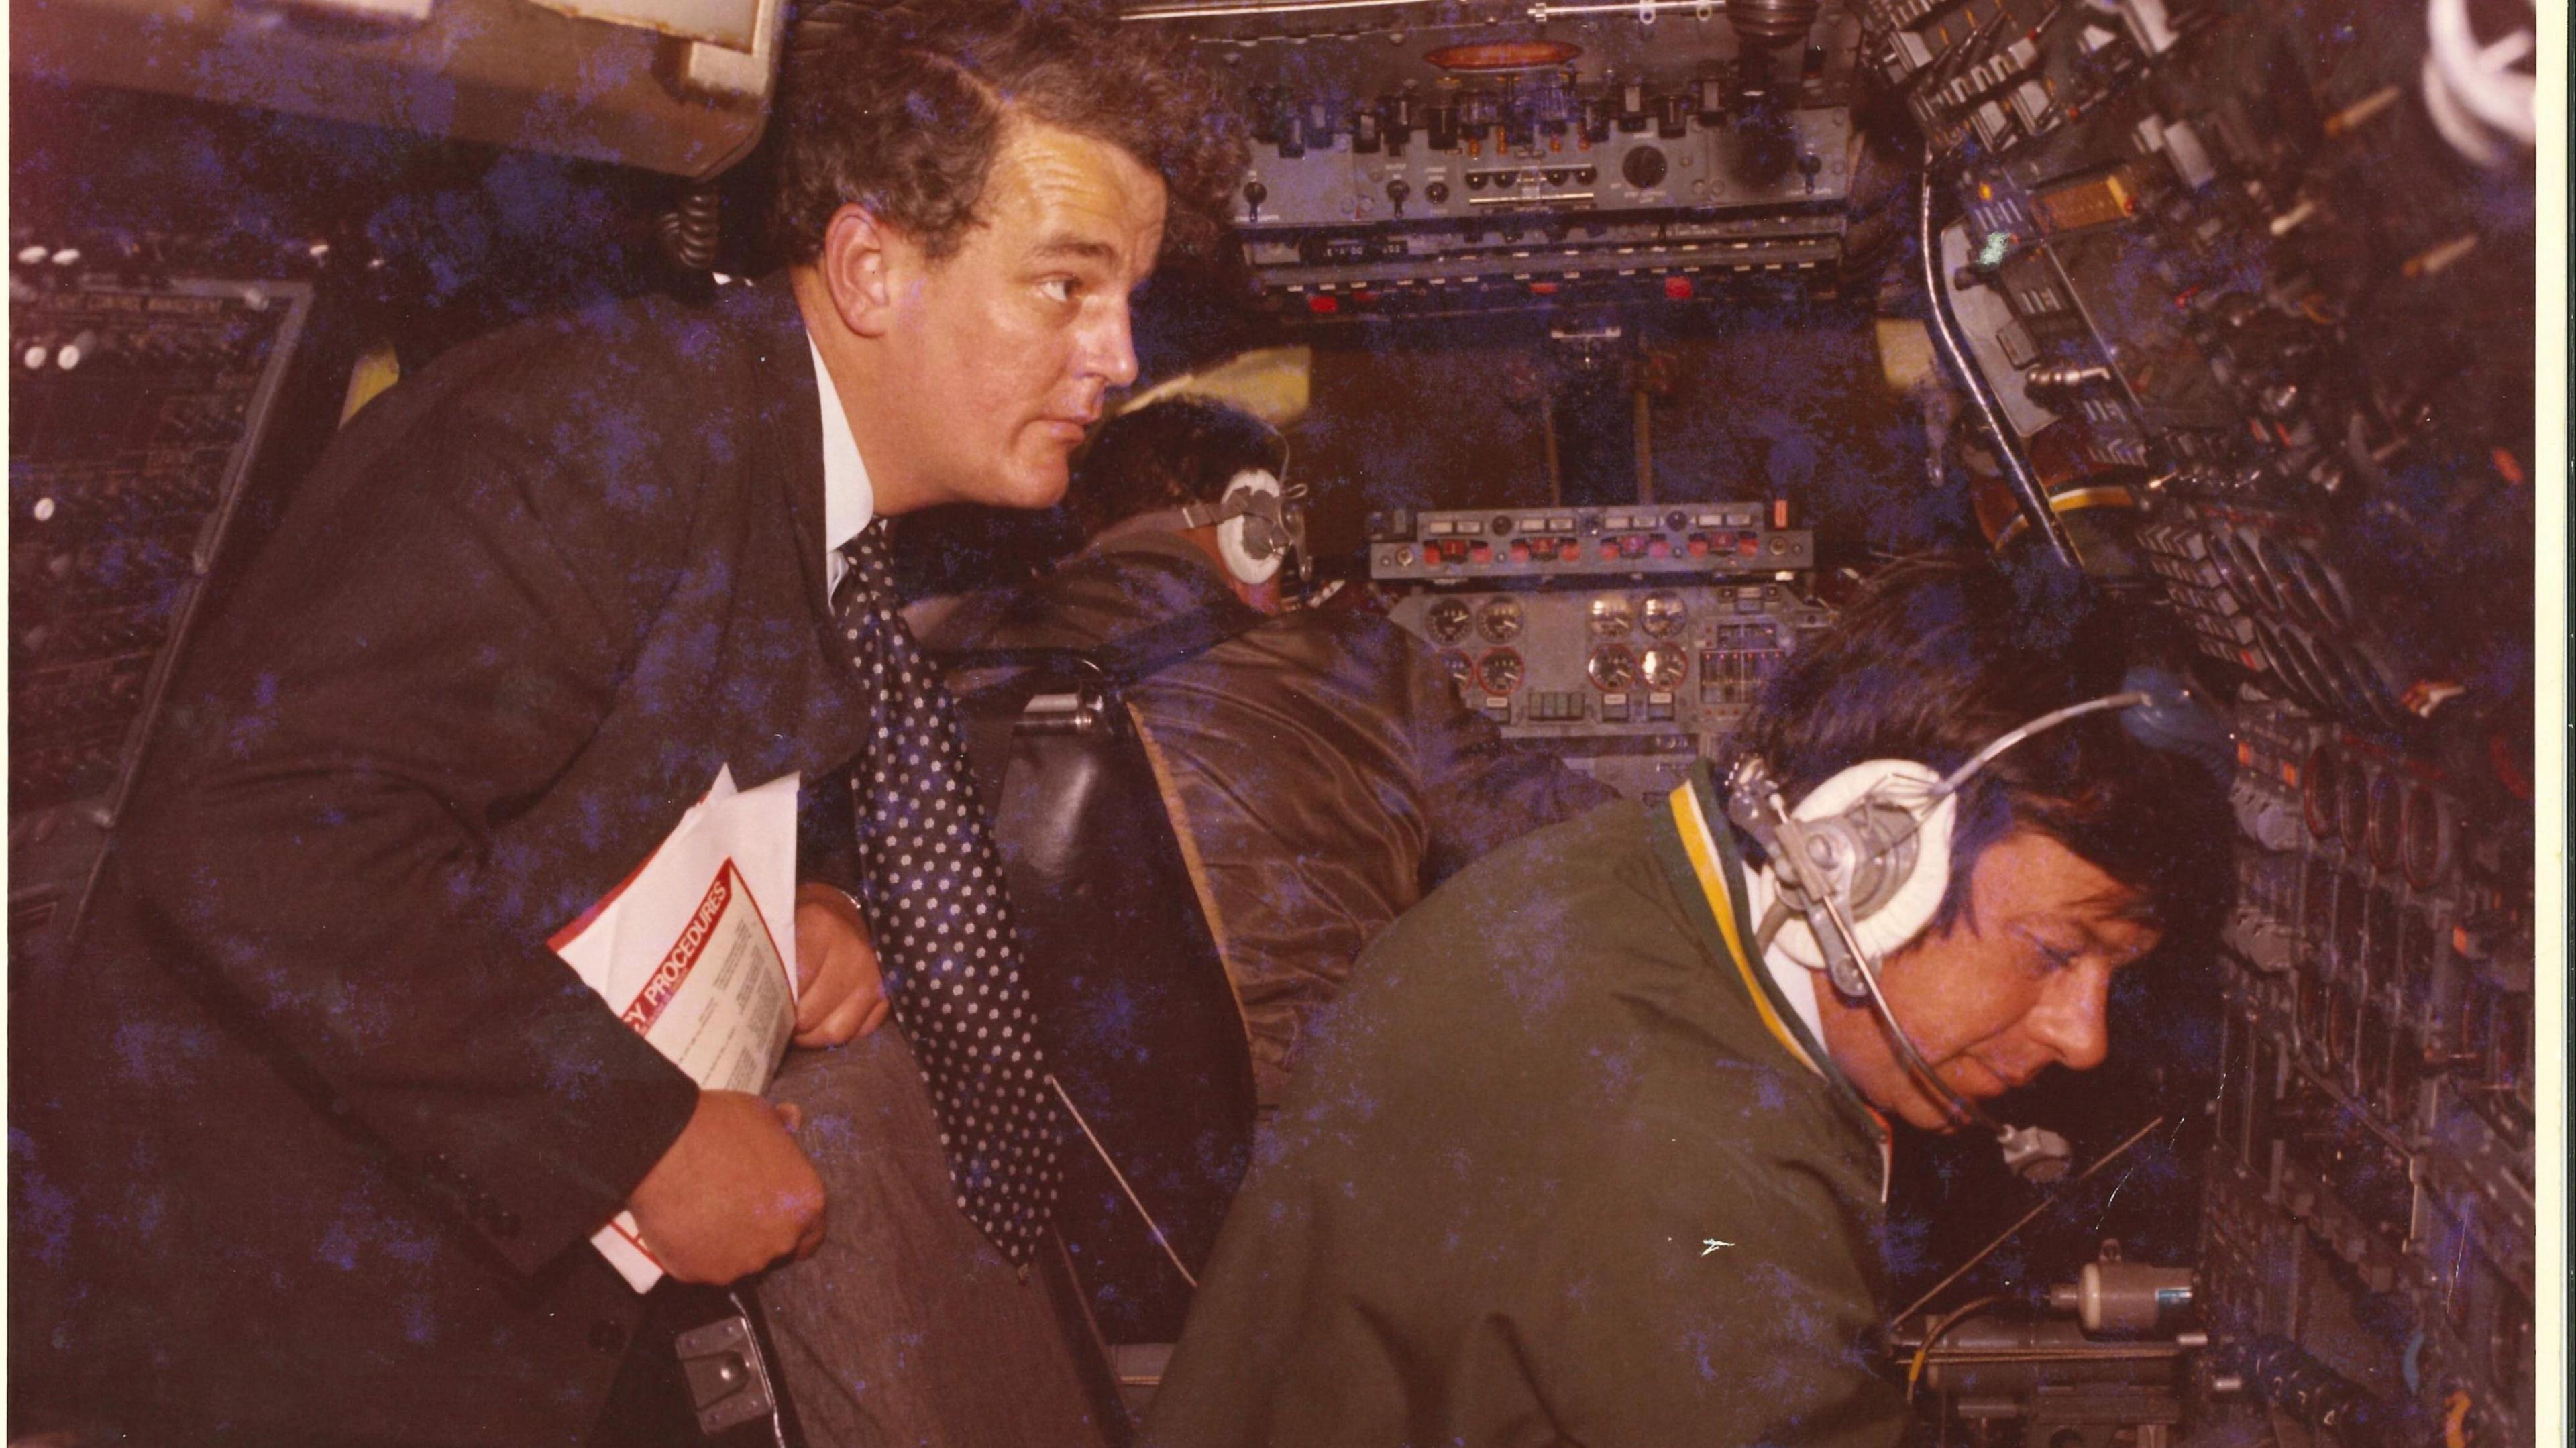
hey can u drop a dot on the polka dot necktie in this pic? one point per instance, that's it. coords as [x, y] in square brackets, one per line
[932, 885]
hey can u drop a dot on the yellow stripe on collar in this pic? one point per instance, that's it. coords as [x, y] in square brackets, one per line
[1700, 845]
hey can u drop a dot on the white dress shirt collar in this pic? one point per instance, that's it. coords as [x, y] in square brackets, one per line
[849, 499]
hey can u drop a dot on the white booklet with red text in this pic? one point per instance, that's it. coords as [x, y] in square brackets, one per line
[688, 952]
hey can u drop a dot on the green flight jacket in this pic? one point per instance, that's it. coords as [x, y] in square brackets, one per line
[1548, 1177]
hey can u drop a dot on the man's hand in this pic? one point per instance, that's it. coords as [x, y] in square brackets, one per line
[839, 995]
[733, 1194]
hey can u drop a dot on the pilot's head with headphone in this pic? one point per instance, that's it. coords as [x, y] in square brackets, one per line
[1210, 473]
[2012, 859]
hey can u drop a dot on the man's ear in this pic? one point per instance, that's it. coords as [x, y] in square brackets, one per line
[860, 255]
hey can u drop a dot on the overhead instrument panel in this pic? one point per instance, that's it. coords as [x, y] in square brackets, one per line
[1625, 640]
[1445, 157]
[676, 86]
[2243, 298]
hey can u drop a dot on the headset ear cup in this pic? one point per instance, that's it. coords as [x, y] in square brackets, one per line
[1252, 557]
[1878, 807]
[1917, 898]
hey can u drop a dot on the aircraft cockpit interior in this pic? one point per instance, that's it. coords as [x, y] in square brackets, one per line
[1598, 358]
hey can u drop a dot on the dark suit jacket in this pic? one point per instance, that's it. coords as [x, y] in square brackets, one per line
[1320, 766]
[309, 1138]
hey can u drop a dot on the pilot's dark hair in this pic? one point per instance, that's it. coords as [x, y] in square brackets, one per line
[1942, 655]
[1179, 450]
[901, 108]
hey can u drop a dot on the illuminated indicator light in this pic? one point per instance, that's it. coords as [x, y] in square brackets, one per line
[1658, 548]
[1481, 552]
[1698, 546]
[1542, 289]
[1747, 544]
[1609, 549]
[2506, 468]
[2460, 939]
[1323, 306]
[2244, 753]
[1985, 191]
[1779, 512]
[1999, 244]
[1677, 289]
[2290, 775]
[1520, 553]
[1364, 298]
[1503, 55]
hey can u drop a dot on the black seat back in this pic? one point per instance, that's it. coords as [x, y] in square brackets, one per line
[1138, 1019]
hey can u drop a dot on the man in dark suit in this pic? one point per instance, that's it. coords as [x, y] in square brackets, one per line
[308, 1141]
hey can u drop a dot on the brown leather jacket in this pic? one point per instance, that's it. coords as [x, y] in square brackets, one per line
[1320, 764]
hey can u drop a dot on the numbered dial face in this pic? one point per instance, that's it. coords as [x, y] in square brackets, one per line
[1449, 620]
[1663, 615]
[1499, 671]
[1462, 669]
[1664, 667]
[1500, 622]
[1610, 616]
[1613, 667]
[2425, 822]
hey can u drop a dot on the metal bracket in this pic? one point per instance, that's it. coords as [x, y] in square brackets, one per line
[728, 1379]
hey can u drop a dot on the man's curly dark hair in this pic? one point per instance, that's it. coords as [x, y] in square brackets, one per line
[900, 109]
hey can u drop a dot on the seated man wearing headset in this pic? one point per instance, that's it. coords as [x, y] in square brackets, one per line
[1593, 1148]
[1318, 766]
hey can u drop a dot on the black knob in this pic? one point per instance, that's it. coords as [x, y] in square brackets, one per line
[1644, 167]
[1436, 193]
[1502, 525]
[1255, 193]
[1396, 192]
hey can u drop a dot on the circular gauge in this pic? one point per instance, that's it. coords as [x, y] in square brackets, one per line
[2352, 805]
[2387, 795]
[1501, 621]
[2424, 829]
[2319, 586]
[2354, 686]
[1462, 669]
[2297, 665]
[1499, 671]
[1449, 620]
[2322, 778]
[1664, 667]
[1609, 616]
[1662, 615]
[2272, 562]
[1613, 667]
[2234, 551]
